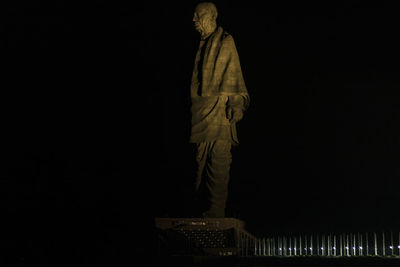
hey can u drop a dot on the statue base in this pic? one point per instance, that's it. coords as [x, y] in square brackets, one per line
[203, 236]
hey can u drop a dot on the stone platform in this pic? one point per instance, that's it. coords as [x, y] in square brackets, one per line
[203, 236]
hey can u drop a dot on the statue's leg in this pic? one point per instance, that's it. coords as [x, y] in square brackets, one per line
[199, 201]
[201, 157]
[217, 169]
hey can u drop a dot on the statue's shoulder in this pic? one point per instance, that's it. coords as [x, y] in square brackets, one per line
[226, 37]
[225, 34]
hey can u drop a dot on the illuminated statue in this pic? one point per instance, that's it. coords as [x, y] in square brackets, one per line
[219, 97]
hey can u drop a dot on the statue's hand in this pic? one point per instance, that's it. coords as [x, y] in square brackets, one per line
[229, 113]
[235, 115]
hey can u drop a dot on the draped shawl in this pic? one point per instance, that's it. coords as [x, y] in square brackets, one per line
[221, 71]
[217, 82]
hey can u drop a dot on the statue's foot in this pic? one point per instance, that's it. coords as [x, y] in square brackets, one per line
[213, 214]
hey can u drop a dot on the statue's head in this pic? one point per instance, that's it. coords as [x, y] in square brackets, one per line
[205, 18]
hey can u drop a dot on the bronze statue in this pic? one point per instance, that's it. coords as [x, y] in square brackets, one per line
[218, 99]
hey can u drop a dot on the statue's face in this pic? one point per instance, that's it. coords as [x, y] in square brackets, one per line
[203, 20]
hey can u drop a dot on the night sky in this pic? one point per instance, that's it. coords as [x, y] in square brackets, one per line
[96, 122]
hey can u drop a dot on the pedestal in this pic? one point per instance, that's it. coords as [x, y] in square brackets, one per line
[203, 236]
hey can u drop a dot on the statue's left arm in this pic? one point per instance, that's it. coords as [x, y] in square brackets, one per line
[233, 83]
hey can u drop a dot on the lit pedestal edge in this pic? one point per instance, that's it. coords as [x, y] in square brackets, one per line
[242, 243]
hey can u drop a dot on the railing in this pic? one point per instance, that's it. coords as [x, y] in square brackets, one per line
[383, 244]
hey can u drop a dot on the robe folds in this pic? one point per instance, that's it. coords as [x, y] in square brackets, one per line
[217, 84]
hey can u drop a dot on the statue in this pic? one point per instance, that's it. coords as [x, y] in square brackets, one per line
[218, 99]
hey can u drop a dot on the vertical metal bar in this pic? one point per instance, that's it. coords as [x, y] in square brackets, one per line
[361, 244]
[295, 246]
[383, 244]
[366, 244]
[280, 252]
[255, 246]
[266, 247]
[279, 246]
[347, 245]
[311, 245]
[269, 247]
[263, 246]
[290, 246]
[354, 245]
[391, 242]
[334, 245]
[284, 246]
[272, 245]
[398, 243]
[351, 245]
[301, 247]
[318, 247]
[329, 247]
[375, 245]
[305, 245]
[358, 244]
[271, 252]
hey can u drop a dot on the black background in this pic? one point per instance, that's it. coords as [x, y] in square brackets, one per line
[95, 122]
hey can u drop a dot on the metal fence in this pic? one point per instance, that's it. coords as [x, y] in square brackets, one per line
[383, 244]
